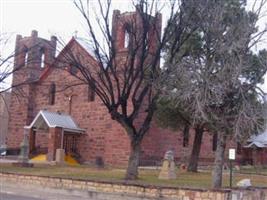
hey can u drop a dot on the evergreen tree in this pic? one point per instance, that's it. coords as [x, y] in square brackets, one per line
[215, 78]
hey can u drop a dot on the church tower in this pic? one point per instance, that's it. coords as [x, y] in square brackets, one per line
[32, 56]
[128, 29]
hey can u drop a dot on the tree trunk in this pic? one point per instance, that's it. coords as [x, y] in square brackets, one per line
[219, 160]
[193, 162]
[133, 162]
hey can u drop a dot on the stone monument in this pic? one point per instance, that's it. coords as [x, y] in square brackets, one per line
[24, 153]
[24, 149]
[168, 167]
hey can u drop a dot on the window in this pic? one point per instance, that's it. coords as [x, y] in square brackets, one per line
[147, 42]
[26, 57]
[52, 94]
[238, 148]
[73, 70]
[43, 61]
[91, 92]
[42, 58]
[186, 136]
[214, 142]
[127, 38]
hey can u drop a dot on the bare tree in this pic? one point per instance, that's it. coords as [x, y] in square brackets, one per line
[5, 62]
[124, 81]
[217, 81]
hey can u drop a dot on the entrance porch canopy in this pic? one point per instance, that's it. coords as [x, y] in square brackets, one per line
[45, 120]
[259, 141]
[57, 125]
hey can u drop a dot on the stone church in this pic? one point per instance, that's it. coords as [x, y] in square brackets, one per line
[75, 119]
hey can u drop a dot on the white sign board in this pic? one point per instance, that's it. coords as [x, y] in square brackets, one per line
[232, 154]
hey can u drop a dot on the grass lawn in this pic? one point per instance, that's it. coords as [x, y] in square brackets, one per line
[254, 170]
[184, 179]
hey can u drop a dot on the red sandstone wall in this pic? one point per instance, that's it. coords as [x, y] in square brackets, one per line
[103, 137]
[17, 120]
[160, 140]
[41, 140]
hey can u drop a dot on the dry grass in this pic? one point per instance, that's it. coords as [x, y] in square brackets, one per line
[254, 170]
[184, 179]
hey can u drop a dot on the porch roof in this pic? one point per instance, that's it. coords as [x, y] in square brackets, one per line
[45, 119]
[258, 140]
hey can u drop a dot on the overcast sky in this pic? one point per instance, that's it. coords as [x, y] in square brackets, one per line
[52, 17]
[48, 17]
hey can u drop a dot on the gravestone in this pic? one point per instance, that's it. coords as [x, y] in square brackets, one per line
[168, 167]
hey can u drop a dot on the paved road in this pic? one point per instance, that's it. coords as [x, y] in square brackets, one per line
[4, 196]
[14, 191]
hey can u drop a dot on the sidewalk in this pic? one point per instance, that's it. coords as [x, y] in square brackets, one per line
[8, 159]
[19, 191]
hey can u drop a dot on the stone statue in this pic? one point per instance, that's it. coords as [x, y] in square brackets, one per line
[168, 167]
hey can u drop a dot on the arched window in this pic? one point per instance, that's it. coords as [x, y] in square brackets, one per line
[26, 57]
[147, 43]
[214, 141]
[238, 148]
[42, 58]
[126, 39]
[73, 70]
[127, 36]
[91, 92]
[186, 136]
[52, 94]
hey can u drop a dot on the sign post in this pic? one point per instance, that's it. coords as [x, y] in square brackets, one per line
[231, 158]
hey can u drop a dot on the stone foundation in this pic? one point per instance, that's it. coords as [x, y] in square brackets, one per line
[139, 191]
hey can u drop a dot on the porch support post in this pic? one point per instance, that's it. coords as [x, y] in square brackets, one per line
[54, 142]
[32, 140]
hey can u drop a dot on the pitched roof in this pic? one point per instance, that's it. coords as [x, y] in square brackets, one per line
[258, 140]
[45, 119]
[86, 45]
[83, 43]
